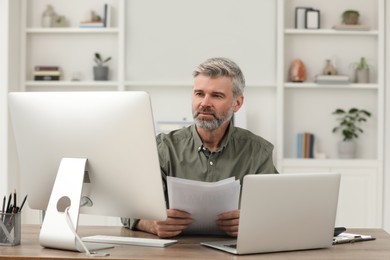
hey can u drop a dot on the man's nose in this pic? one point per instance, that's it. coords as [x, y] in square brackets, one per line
[206, 101]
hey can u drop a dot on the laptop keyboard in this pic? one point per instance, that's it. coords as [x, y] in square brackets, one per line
[231, 245]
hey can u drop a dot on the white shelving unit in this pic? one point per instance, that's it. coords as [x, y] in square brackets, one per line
[307, 106]
[79, 44]
[152, 51]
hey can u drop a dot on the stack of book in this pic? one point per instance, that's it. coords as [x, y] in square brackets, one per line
[305, 145]
[47, 73]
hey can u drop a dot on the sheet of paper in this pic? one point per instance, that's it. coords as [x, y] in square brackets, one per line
[204, 201]
[351, 238]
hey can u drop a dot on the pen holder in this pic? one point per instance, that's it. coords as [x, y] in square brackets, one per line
[10, 229]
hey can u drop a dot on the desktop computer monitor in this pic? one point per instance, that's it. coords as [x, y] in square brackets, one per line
[105, 144]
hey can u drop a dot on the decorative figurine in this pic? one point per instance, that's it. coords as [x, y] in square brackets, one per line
[329, 69]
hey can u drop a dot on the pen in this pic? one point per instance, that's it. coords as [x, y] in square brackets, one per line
[3, 209]
[21, 206]
[15, 198]
[9, 202]
[4, 200]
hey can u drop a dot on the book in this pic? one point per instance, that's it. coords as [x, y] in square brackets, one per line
[351, 27]
[332, 79]
[47, 68]
[300, 143]
[305, 145]
[107, 16]
[46, 77]
[47, 73]
[91, 24]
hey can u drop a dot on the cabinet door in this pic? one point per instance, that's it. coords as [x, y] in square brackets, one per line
[359, 203]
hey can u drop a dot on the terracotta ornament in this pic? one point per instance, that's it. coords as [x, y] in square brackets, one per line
[297, 71]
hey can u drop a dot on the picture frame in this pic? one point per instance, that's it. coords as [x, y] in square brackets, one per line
[300, 17]
[312, 19]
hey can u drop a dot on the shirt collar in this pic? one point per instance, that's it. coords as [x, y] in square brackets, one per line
[198, 141]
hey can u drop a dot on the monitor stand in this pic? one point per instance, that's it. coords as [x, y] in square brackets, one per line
[67, 190]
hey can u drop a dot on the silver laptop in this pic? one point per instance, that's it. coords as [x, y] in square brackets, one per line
[285, 212]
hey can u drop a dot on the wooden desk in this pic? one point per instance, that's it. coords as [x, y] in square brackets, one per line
[189, 248]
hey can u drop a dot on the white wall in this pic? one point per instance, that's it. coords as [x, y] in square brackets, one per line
[9, 49]
[3, 95]
[386, 200]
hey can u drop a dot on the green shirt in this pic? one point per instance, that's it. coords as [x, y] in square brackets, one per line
[183, 155]
[241, 152]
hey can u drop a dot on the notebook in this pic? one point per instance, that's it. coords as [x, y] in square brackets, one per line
[285, 212]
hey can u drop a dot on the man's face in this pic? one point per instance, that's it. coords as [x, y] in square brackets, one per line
[212, 101]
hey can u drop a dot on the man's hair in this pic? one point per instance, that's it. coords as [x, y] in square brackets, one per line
[217, 67]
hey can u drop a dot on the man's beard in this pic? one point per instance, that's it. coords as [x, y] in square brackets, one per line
[214, 123]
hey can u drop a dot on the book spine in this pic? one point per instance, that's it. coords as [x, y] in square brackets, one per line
[47, 68]
[307, 145]
[311, 152]
[300, 141]
[47, 78]
[47, 73]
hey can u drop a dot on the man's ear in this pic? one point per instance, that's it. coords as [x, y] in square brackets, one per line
[238, 103]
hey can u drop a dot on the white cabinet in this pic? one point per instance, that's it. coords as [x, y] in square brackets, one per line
[360, 197]
[308, 106]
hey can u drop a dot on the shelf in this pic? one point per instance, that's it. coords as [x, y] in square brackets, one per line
[312, 85]
[333, 163]
[62, 83]
[186, 84]
[72, 30]
[330, 32]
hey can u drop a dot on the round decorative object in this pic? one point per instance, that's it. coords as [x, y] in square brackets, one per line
[297, 71]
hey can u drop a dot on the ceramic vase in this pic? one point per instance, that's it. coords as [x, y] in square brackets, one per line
[347, 149]
[362, 76]
[100, 73]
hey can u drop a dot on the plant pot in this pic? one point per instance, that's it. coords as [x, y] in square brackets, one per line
[100, 73]
[347, 149]
[362, 76]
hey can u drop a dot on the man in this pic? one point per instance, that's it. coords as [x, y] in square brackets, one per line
[212, 149]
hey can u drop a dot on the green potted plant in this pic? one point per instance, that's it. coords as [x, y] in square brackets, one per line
[362, 71]
[349, 121]
[350, 17]
[100, 71]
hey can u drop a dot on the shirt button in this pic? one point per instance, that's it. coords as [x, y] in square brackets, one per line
[211, 163]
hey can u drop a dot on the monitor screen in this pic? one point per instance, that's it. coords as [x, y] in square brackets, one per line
[114, 131]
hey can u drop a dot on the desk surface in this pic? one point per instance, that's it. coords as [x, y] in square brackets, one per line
[188, 248]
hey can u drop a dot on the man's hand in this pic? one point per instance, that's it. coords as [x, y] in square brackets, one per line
[175, 223]
[228, 222]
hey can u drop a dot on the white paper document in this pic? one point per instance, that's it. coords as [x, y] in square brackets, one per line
[204, 201]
